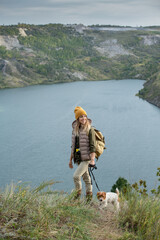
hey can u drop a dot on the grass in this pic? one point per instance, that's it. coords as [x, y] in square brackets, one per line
[41, 214]
[140, 217]
[27, 213]
[140, 213]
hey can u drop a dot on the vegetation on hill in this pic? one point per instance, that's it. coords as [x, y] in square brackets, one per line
[27, 213]
[52, 53]
[36, 214]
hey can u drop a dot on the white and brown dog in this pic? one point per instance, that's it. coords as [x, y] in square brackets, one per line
[106, 198]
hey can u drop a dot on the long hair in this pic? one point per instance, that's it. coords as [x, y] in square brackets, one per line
[86, 127]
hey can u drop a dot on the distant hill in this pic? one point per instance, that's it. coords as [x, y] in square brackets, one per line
[53, 53]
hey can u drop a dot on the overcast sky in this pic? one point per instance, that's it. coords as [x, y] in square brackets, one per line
[87, 12]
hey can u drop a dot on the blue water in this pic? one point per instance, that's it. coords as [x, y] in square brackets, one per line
[35, 132]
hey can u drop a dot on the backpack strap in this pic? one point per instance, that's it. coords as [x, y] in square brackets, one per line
[92, 140]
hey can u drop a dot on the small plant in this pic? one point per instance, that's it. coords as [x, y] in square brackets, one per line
[122, 184]
[140, 187]
[157, 191]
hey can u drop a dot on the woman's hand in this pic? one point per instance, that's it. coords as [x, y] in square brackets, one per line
[92, 162]
[92, 156]
[70, 161]
[70, 164]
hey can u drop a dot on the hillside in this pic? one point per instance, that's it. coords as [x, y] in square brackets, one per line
[53, 53]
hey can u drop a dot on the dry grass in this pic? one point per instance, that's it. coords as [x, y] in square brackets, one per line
[140, 217]
[27, 213]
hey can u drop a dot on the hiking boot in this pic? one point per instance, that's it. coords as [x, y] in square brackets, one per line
[77, 194]
[89, 196]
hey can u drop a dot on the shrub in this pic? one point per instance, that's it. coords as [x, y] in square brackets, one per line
[122, 184]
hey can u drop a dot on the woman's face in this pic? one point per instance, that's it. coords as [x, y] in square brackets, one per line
[83, 119]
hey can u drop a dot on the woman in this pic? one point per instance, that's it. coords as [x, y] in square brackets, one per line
[83, 154]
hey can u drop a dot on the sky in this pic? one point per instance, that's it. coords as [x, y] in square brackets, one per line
[109, 12]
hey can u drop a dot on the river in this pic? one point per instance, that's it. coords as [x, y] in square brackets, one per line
[35, 136]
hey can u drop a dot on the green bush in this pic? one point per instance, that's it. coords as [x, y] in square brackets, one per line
[122, 184]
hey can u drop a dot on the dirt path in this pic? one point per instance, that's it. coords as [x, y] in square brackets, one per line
[106, 225]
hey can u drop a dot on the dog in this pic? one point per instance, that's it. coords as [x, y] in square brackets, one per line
[106, 198]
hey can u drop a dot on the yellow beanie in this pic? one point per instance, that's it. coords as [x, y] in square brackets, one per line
[79, 112]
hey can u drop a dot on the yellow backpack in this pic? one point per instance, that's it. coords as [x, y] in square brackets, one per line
[100, 143]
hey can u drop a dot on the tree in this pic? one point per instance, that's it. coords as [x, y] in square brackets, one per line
[122, 184]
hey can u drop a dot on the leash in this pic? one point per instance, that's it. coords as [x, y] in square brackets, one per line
[91, 168]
